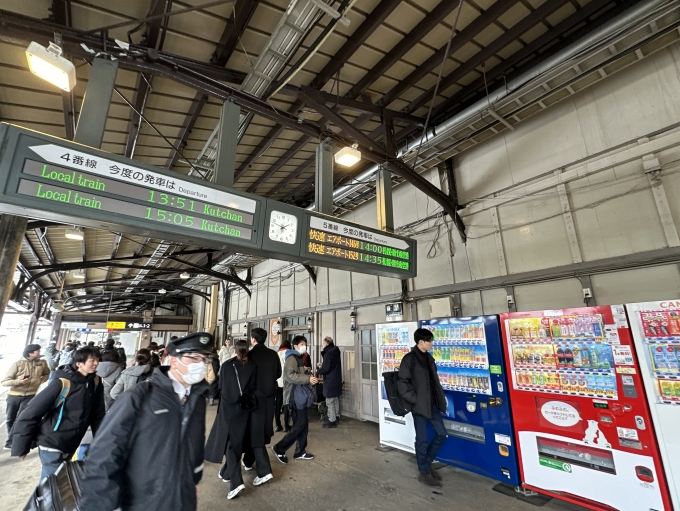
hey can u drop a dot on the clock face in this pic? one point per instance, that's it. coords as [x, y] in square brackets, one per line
[283, 227]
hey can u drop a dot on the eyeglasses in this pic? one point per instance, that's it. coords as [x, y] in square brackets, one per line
[195, 359]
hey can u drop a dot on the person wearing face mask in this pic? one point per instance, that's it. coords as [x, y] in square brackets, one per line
[295, 377]
[130, 466]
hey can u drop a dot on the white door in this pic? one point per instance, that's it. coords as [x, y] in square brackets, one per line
[368, 351]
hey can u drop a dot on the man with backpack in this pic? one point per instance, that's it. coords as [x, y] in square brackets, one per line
[298, 394]
[418, 385]
[58, 417]
[23, 379]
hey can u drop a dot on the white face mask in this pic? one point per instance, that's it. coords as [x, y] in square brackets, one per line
[302, 350]
[195, 372]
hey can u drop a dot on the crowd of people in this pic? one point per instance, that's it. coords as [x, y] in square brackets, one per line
[147, 421]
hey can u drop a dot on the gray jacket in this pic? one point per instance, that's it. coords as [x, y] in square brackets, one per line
[109, 373]
[128, 379]
[294, 373]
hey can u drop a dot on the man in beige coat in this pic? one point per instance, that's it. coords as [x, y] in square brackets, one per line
[23, 378]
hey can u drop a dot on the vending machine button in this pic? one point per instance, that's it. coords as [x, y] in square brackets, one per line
[606, 419]
[627, 408]
[640, 422]
[483, 405]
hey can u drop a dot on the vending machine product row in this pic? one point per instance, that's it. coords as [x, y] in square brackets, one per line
[582, 422]
[656, 331]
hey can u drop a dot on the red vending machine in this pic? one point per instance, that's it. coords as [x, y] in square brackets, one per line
[582, 423]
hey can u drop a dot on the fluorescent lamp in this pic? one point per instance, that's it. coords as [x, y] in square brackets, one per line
[78, 274]
[162, 291]
[348, 156]
[81, 292]
[185, 276]
[48, 64]
[76, 233]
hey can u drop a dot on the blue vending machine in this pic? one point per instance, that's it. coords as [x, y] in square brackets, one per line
[469, 357]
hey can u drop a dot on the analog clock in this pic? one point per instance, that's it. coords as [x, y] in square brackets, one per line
[283, 227]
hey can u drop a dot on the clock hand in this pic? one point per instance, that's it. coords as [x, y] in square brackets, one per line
[278, 225]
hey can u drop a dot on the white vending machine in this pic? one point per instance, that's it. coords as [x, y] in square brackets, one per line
[394, 341]
[656, 332]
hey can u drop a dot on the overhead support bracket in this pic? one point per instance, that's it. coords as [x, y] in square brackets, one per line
[323, 189]
[312, 273]
[95, 108]
[383, 194]
[225, 163]
[500, 119]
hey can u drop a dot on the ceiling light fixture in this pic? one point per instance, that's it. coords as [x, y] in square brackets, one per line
[162, 291]
[76, 233]
[348, 156]
[81, 292]
[185, 276]
[78, 274]
[48, 64]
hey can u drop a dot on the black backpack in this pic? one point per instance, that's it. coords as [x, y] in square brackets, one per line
[397, 404]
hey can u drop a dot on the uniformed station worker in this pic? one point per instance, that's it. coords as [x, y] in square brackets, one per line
[148, 454]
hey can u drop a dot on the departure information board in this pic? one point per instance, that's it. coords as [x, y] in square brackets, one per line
[327, 239]
[47, 178]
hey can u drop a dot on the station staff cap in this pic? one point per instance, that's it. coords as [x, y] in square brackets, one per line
[201, 342]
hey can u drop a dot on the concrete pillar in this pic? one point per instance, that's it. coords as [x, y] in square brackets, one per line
[12, 229]
[227, 140]
[95, 107]
[383, 195]
[323, 188]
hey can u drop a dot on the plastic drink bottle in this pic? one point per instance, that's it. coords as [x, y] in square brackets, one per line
[594, 358]
[578, 361]
[585, 357]
[659, 357]
[671, 359]
[568, 357]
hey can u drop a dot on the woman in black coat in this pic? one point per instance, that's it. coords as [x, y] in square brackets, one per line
[231, 425]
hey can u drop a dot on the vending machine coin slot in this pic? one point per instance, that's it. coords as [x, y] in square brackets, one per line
[471, 406]
[503, 450]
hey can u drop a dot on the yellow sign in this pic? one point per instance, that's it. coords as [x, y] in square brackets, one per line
[626, 370]
[115, 325]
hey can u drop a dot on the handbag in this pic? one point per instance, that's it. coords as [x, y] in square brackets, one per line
[248, 401]
[61, 491]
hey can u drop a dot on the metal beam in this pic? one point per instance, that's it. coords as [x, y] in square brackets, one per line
[461, 39]
[236, 24]
[530, 49]
[434, 18]
[379, 14]
[61, 14]
[153, 30]
[490, 49]
[292, 151]
[187, 126]
[453, 195]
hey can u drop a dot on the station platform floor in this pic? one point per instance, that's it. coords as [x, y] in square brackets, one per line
[349, 473]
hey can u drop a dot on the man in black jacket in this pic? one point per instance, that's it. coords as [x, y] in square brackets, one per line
[262, 418]
[57, 418]
[148, 455]
[331, 370]
[419, 385]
